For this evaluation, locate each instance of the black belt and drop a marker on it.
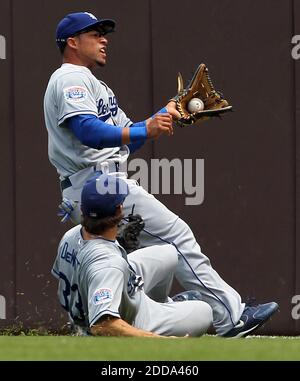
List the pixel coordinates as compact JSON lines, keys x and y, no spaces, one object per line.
{"x":66,"y":183}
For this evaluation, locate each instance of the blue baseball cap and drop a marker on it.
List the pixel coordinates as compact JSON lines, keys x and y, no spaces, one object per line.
{"x":74,"y":23}
{"x":102,"y":194}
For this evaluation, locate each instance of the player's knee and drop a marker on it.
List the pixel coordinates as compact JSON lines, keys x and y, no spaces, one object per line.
{"x":170,"y":256}
{"x":182,"y":226}
{"x":204,"y":314}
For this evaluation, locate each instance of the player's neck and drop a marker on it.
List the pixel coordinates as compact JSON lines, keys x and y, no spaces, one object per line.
{"x":75,"y":62}
{"x":109,"y":234}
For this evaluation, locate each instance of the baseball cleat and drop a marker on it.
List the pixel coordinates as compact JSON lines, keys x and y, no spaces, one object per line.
{"x":252,"y":318}
{"x":187,"y":295}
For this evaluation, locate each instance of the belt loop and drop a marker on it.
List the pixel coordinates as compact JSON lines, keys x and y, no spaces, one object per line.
{"x":117,"y":164}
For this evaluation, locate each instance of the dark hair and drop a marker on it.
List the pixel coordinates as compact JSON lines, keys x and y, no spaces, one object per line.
{"x":62,"y":46}
{"x":100,"y":225}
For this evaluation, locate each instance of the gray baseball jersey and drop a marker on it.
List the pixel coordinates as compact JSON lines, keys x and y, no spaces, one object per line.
{"x":74,"y":90}
{"x":96,"y":279}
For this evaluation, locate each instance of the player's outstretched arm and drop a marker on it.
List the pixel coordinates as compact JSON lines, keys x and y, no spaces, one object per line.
{"x":113,"y":326}
{"x":95,"y":133}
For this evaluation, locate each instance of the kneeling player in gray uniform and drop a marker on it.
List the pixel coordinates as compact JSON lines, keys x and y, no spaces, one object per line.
{"x":104,"y":290}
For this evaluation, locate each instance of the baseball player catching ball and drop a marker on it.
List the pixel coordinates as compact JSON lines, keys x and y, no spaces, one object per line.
{"x":88,"y":132}
{"x":108,"y":287}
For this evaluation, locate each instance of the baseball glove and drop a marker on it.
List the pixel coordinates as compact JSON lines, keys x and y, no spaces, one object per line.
{"x":128,"y":234}
{"x":201,"y":87}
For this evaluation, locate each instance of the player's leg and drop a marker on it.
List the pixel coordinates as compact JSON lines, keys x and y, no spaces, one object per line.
{"x":191,"y":318}
{"x":73,"y":191}
{"x":73,"y":195}
{"x":156,"y":264}
{"x":194,"y":270}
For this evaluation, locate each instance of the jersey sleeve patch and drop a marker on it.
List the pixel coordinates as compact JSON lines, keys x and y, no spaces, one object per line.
{"x":75,"y":94}
{"x":102,"y":295}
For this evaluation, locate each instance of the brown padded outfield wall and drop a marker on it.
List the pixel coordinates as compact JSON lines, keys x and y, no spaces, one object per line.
{"x":248,"y":223}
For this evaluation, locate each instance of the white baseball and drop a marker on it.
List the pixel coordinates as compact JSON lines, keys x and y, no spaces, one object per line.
{"x":195,"y":105}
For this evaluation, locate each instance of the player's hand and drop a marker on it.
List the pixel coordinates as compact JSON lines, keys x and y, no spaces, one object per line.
{"x":171,"y":107}
{"x":159,"y":124}
{"x":65,"y":209}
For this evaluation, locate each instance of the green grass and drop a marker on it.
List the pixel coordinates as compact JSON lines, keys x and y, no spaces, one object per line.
{"x":110,"y":348}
